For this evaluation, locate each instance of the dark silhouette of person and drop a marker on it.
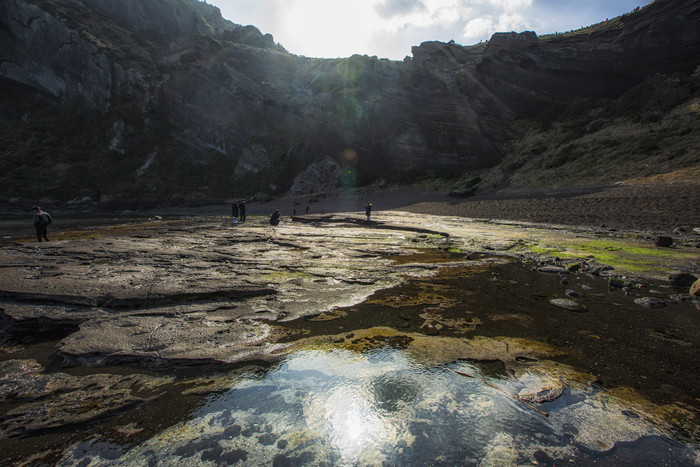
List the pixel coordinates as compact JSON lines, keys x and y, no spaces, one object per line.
{"x":241,"y":208}
{"x":41,"y":223}
{"x":234,"y":211}
{"x":307,"y":209}
{"x":275,"y":218}
{"x":368,"y":209}
{"x":294,"y":209}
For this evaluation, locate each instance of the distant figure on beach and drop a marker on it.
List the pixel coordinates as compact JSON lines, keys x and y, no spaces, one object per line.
{"x":294,"y":209}
{"x":275,"y":218}
{"x":41,"y":223}
{"x":234,"y":212}
{"x":368,"y":210}
{"x":241,"y":208}
{"x":307,"y":209}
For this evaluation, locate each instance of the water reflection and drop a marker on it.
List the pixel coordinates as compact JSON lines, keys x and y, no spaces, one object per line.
{"x":341,"y":407}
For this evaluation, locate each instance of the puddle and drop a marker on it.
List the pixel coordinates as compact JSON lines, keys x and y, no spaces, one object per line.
{"x":382,"y":407}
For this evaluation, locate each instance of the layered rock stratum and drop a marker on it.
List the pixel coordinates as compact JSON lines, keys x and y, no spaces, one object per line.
{"x":167,"y":100}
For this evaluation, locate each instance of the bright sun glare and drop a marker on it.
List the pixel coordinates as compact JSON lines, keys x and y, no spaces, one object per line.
{"x":350,"y":25}
{"x":389,"y":28}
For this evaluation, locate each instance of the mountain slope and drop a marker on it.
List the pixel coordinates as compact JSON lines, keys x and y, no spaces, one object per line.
{"x":166,"y":100}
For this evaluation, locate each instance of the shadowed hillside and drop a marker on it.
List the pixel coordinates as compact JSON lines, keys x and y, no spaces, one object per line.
{"x":135,"y":104}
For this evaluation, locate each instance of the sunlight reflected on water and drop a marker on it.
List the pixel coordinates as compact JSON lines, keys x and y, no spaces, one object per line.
{"x":340,"y":407}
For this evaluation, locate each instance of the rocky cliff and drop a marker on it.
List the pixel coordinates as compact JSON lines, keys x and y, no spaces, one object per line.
{"x":166,"y":100}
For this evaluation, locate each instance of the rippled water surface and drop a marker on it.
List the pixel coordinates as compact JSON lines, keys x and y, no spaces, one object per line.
{"x":381,"y":407}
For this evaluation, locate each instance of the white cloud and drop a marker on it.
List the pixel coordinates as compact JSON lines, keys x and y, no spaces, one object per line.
{"x":479,"y":27}
{"x":388,"y":28}
{"x":392,"y":8}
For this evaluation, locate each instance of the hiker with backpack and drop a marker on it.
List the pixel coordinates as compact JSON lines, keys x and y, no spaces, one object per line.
{"x":41,"y":223}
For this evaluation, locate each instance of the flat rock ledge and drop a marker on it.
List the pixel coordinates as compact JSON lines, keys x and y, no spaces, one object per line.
{"x":200,"y":292}
{"x":206,"y":291}
{"x":45,"y":401}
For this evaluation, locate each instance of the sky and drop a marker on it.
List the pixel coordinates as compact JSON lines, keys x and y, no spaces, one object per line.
{"x":389,"y":28}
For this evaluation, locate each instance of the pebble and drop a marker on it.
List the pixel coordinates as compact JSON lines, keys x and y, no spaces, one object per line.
{"x":553,"y":270}
{"x":569,"y":304}
{"x":650,"y":302}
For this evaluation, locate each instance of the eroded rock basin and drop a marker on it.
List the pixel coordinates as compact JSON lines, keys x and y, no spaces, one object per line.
{"x":332,"y":341}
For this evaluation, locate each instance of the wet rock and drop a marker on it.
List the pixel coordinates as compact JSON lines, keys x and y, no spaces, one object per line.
{"x":540,"y":388}
{"x":158,"y":340}
{"x":553,"y":270}
{"x":618,"y":284}
{"x":430,"y":329}
{"x":695,"y":288}
{"x":663,"y":241}
{"x":196,"y":292}
{"x":41,"y":401}
{"x":573,"y":267}
{"x":573,"y":294}
{"x":569,"y":304}
{"x":501,"y":450}
{"x":650,"y":302}
{"x":601,"y":423}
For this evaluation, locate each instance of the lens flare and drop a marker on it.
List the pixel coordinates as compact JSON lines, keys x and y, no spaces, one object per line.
{"x":350,"y":155}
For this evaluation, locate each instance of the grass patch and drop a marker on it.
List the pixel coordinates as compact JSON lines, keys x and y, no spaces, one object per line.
{"x":621,"y":254}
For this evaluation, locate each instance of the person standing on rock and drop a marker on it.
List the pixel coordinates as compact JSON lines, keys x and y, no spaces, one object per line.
{"x":275,"y":218}
{"x":41,"y":223}
{"x":368,"y":210}
{"x":241,"y":208}
{"x":234,"y":212}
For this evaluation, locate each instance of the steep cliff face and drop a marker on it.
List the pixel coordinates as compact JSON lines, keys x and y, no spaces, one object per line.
{"x":166,"y":98}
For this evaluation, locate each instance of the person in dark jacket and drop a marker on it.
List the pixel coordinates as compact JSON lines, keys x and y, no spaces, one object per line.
{"x":368,"y":210}
{"x":275,"y":218}
{"x":241,"y":208}
{"x":41,"y":223}
{"x":234,"y":212}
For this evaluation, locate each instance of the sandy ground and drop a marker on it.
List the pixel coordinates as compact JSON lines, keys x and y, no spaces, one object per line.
{"x":657,"y":205}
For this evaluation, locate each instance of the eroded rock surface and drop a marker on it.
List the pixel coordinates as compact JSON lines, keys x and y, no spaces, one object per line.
{"x":195,"y":292}
{"x":42,"y":401}
{"x":411,"y":296}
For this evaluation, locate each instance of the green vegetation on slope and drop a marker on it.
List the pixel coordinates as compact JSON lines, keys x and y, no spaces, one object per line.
{"x":653,"y":128}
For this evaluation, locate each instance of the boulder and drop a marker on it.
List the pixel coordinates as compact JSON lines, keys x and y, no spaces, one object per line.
{"x":663,"y":241}
{"x":695,"y":288}
{"x":682,"y":279}
{"x":319,"y":176}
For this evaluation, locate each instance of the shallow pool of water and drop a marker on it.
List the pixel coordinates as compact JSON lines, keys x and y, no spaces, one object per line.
{"x":380,"y":407}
